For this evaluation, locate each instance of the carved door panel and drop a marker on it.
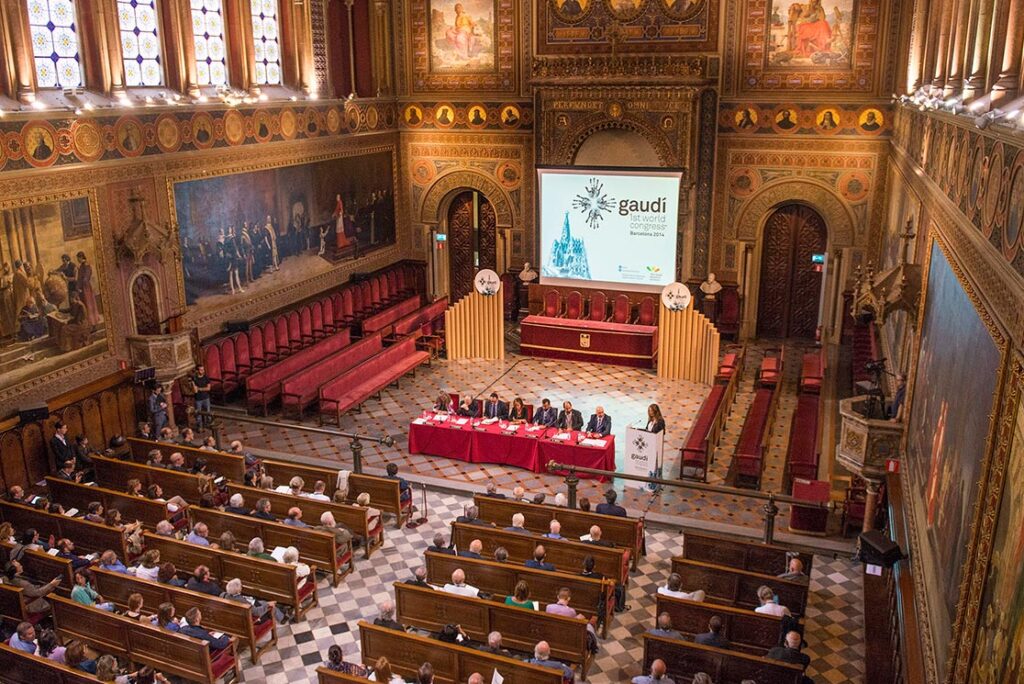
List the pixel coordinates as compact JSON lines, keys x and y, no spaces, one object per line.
{"x":487,"y":223}
{"x":790,"y":286}
{"x":145,"y":306}
{"x":460,"y":246}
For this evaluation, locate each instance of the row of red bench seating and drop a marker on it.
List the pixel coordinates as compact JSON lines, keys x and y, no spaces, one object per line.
{"x":802,"y":454}
{"x":231,"y":360}
{"x":621,"y":310}
{"x":749,"y":456}
{"x":698,"y":452}
{"x":812,"y":372}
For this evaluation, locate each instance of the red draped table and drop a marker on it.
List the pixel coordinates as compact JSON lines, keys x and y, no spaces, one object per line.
{"x":475,"y":442}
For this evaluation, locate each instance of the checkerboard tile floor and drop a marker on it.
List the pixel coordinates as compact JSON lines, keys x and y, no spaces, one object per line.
{"x":835,"y":626}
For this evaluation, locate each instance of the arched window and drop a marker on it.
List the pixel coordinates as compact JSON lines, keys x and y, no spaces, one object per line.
{"x":265,"y":34}
{"x":140,"y":43}
{"x":208,"y":35}
{"x":54,"y":28}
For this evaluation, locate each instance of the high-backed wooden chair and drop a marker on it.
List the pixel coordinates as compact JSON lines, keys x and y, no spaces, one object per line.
{"x":574,"y":305}
{"x":552,"y":303}
{"x":598,"y":306}
{"x":728,"y":322}
{"x":257,"y":355}
{"x":620,"y":309}
{"x":646,"y":311}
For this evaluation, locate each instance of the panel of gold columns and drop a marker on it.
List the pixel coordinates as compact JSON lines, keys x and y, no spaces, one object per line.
{"x":474,"y":328}
{"x":687,"y":346}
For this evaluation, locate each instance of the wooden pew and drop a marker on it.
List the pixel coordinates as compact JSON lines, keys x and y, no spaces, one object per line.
{"x":265,"y":579}
{"x":628,"y":532}
{"x":115,"y":474}
{"x":169,"y":652}
{"x":384,"y":492}
{"x":733,"y":587}
{"x":685,"y":658}
{"x":89,"y":537}
{"x":746,"y":630}
{"x":231,"y":466}
{"x":325,"y":676}
{"x":315,"y":547}
{"x":452,"y":664}
{"x":41,"y":567}
{"x":78,"y":495}
{"x":767,"y":559}
{"x":566,"y":555}
{"x":219,"y":614}
{"x":589,"y":596}
{"x":12,"y":604}
{"x":21,"y":668}
{"x":520,"y":628}
{"x":352,"y":517}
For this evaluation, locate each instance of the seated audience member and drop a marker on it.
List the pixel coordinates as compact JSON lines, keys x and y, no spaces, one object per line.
{"x":29,"y":541}
{"x":702,"y":678}
{"x":168,"y":574}
{"x":443,"y":403}
{"x":517,"y":413}
{"x":769,"y":605}
{"x":520,"y":597}
{"x":458,"y":585}
{"x":132,"y":531}
{"x":187,"y":438}
{"x":492,"y":490}
{"x":583,"y":504}
{"x":68,"y":473}
{"x":495,"y":408}
{"x":15,"y":494}
{"x":658,"y":674}
{"x":475,"y":547}
{"x":538,"y":498}
{"x":236,"y":505}
{"x":546,"y":415}
{"x":295,"y":486}
{"x":107,"y":670}
{"x":66,"y":550}
{"x":294,"y":517}
{"x":609,"y":507}
{"x":538,"y":561}
{"x":84,"y":594}
{"x":336,"y":663}
{"x":342,"y":535}
{"x":291,"y":557}
{"x":164,"y":618}
{"x":419,"y":578}
{"x":164,"y":528}
{"x":83,"y":454}
{"x":75,"y":658}
{"x":472,"y":517}
{"x":195,"y":629}
{"x":262,"y":510}
{"x":238,"y":449}
{"x":663,"y":628}
{"x":7,"y":532}
{"x":561,"y":500}
{"x":554,"y":530}
{"x":134,"y":610}
{"x":258,"y":607}
{"x":404,"y":489}
{"x":209,"y":444}
{"x":110,"y":562}
{"x":383,"y":673}
{"x":500,"y":554}
{"x":257,"y":550}
{"x":795,"y":572}
{"x":467,"y":408}
{"x":790,"y":653}
{"x":166,"y":435}
{"x":494,"y":646}
{"x":475,"y":678}
{"x":386,"y":616}
{"x":94,"y":512}
{"x":439,"y":546}
{"x":200,"y":467}
{"x":713,"y":637}
{"x":199,"y":535}
{"x":372,"y":514}
{"x":674,"y":588}
{"x":588,"y":568}
{"x":146,"y":431}
{"x":518,"y":522}
{"x":226,"y":541}
{"x":201,"y":581}
{"x":147,"y":675}
{"x":600,"y":423}
{"x":155,"y":459}
{"x":542,"y":656}
{"x":55,"y":508}
{"x":176,"y":461}
{"x":208,"y":500}
{"x":319,"y":492}
{"x":24,"y":638}
{"x":49,"y":646}
{"x":561,"y":605}
{"x":425,"y":675}
{"x":133,"y":487}
{"x":155,"y":492}
{"x":595,"y":537}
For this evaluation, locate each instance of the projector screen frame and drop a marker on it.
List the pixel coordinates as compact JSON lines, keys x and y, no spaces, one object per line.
{"x":623,"y":170}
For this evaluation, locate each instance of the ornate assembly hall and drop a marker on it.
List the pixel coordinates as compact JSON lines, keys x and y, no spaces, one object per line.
{"x":512,"y":341}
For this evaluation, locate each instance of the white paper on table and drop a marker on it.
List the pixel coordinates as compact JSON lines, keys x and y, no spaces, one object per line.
{"x":512,"y":428}
{"x":278,"y":553}
{"x":419,"y":421}
{"x":561,"y":436}
{"x":462,"y":421}
{"x":496,"y":678}
{"x":594,"y":442}
{"x":489,"y":421}
{"x":71,"y":512}
{"x":53,"y":552}
{"x":172,"y":508}
{"x":441,"y":417}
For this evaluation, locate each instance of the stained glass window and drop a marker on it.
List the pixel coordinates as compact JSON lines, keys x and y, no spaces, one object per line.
{"x":208,"y":34}
{"x":55,"y":43}
{"x":266,"y":41}
{"x":140,"y":44}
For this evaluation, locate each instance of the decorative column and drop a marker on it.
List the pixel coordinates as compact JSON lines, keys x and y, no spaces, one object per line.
{"x":918,"y":42}
{"x":101,"y":46}
{"x":381,"y":44}
{"x":240,"y":45}
{"x":350,"y":23}
{"x":870,"y":504}
{"x":16,"y":50}
{"x":180,"y":54}
{"x":1008,"y":81}
{"x":955,"y":69}
{"x":974,"y":86}
{"x":942,"y":47}
{"x":302,"y":39}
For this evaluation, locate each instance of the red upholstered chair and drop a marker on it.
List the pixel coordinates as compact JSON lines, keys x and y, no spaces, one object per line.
{"x":598,"y":306}
{"x":552,"y":303}
{"x":529,"y":412}
{"x":316,"y":311}
{"x":243,"y":360}
{"x":305,"y":326}
{"x":284,"y":347}
{"x":256,"y":349}
{"x":621,"y":309}
{"x":393,"y":289}
{"x":327,"y":314}
{"x":403,"y":280}
{"x":211,"y":360}
{"x":294,"y":331}
{"x":455,"y":398}
{"x":370,"y":300}
{"x":343,"y":311}
{"x":228,"y":369}
{"x":357,"y":301}
{"x":270,"y":350}
{"x":646,"y":313}
{"x":854,"y":506}
{"x":729,"y":312}
{"x":574,"y":305}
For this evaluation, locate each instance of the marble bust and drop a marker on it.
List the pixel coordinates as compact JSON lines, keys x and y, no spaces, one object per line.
{"x":527,"y":275}
{"x":711,"y":286}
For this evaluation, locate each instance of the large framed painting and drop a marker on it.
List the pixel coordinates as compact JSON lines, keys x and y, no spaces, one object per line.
{"x":51,"y":306}
{"x":811,"y":33}
{"x":948,"y":436}
{"x":249,"y":234}
{"x":461,"y":36}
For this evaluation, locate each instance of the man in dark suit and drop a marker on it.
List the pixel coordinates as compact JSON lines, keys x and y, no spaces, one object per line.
{"x":195,"y":629}
{"x":600,"y":423}
{"x":83,"y":453}
{"x":538,"y":562}
{"x":472,"y":517}
{"x":419,"y":578}
{"x":492,"y":490}
{"x":546,"y":415}
{"x":67,"y":471}
{"x":609,"y":507}
{"x":201,"y":581}
{"x":439,"y":546}
{"x":387,"y":617}
{"x":62,"y":451}
{"x":495,"y":408}
{"x":570,"y":418}
{"x":467,"y":408}
{"x":790,"y":653}
{"x":475,"y":547}
{"x":494,"y":646}
{"x":262,"y":510}
{"x":714,"y":636}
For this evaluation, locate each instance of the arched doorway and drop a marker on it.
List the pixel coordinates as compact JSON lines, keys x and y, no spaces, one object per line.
{"x":790,"y":287}
{"x":472,"y":240}
{"x":145,"y":308}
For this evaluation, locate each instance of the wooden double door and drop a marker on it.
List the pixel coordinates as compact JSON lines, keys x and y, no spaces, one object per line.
{"x":472,"y":241}
{"x":790,"y":287}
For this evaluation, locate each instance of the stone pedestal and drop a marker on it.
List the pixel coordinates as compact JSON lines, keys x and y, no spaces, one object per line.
{"x":865,"y":444}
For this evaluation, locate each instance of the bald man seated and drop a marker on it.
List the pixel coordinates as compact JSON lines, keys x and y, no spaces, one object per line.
{"x":600,"y":423}
{"x":658,"y":674}
{"x":458,"y":585}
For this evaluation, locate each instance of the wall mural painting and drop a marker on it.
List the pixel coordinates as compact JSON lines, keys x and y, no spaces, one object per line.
{"x":248,"y":234}
{"x":947,"y":436}
{"x":810,"y":33}
{"x":461,"y":36}
{"x":999,"y":648}
{"x":51,"y":311}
